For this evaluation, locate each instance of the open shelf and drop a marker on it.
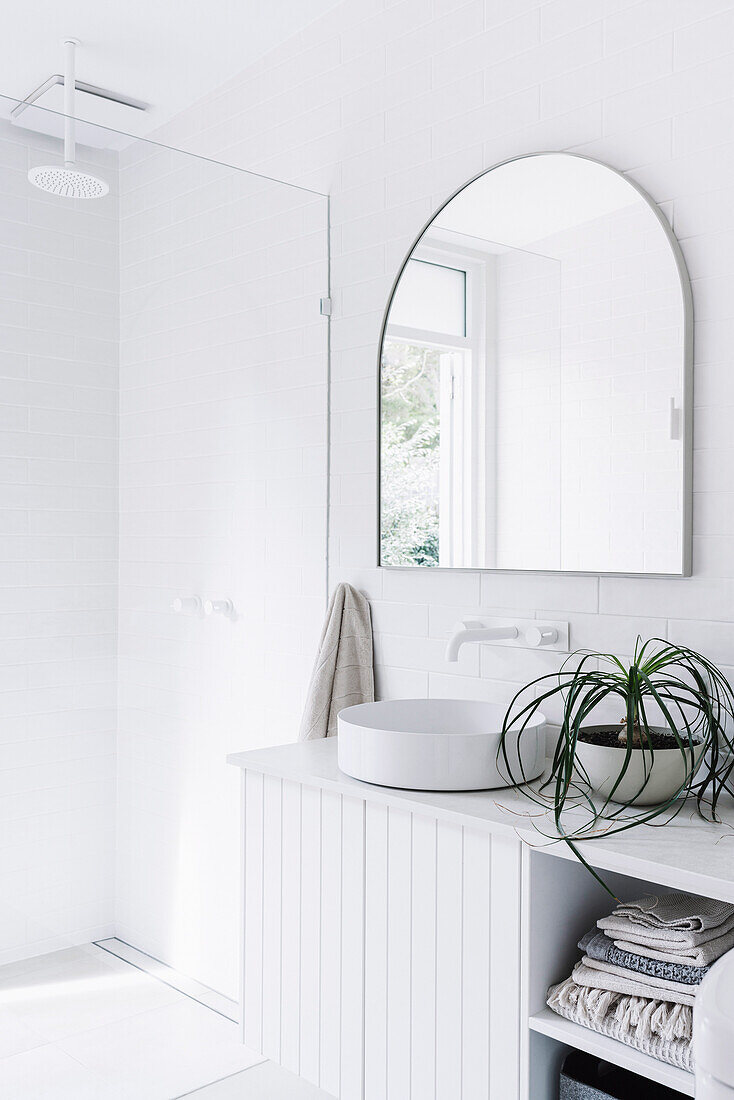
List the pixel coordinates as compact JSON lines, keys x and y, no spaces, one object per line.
{"x":564,"y":902}
{"x":565,"y":1031}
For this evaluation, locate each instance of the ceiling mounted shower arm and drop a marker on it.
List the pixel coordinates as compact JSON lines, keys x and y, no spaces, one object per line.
{"x":70,"y":45}
{"x":68,"y":182}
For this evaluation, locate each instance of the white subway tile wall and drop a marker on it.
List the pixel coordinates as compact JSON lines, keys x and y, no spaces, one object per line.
{"x":58,"y":555}
{"x":430,"y":93}
{"x":223,"y":374}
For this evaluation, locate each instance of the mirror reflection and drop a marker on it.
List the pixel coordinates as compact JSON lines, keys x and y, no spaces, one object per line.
{"x":534,"y":380}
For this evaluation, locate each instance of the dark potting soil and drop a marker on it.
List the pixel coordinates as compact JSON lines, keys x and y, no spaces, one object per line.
{"x":610,"y":739}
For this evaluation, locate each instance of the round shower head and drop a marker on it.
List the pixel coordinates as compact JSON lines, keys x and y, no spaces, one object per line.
{"x":68,"y":182}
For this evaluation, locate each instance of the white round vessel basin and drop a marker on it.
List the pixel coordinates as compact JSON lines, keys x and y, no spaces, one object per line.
{"x":435,"y":745}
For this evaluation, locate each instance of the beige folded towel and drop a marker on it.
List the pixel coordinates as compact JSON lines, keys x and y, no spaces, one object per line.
{"x":682,"y":912}
{"x":343,"y":675}
{"x":646,"y":985}
{"x":673,"y":940}
{"x":596,"y":979}
{"x":665,"y":937}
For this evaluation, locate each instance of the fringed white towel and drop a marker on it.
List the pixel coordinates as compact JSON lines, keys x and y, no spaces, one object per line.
{"x":343,"y":674}
{"x":656,"y":1028}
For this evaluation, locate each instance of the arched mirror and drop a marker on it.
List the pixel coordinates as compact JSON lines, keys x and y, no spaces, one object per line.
{"x":535,"y":384}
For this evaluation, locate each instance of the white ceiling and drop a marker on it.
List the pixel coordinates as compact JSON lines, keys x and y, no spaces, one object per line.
{"x":529,"y":199}
{"x":168,"y":53}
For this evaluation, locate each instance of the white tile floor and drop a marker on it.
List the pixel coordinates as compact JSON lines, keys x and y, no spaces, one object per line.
{"x":263,"y":1082}
{"x":82,"y":1024}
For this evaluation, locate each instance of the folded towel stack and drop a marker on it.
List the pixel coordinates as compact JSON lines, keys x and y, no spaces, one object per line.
{"x":640,"y":969}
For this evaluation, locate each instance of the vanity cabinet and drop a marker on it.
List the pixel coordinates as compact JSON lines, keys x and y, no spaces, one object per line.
{"x":376,"y":938}
{"x":397,"y":945}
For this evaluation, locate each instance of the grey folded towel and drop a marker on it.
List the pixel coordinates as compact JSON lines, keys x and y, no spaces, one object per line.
{"x":702,"y":955}
{"x":343,"y":674}
{"x":616,"y":983}
{"x":670,"y":922}
{"x":598,"y":946}
{"x":679,"y":912}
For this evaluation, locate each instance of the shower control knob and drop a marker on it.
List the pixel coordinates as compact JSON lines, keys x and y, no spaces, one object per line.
{"x":535,"y":637}
{"x":219,"y":607}
{"x":190,"y":605}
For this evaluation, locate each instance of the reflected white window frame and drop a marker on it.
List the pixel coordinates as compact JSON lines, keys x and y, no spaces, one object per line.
{"x":467,"y":408}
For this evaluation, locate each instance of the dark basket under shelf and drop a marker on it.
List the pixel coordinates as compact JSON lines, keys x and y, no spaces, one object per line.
{"x":584,"y":1077}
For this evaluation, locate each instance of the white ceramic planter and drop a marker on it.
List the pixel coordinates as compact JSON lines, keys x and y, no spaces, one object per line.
{"x":665,"y":773}
{"x":435,"y":745}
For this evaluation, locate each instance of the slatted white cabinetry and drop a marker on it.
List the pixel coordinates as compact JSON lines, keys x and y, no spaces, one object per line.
{"x":398,"y":945}
{"x":381,"y":946}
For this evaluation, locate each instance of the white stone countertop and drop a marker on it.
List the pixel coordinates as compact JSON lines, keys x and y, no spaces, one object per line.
{"x":686,"y":853}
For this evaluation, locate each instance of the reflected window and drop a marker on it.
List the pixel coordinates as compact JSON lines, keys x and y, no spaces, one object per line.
{"x":432,"y":297}
{"x":428,"y":384}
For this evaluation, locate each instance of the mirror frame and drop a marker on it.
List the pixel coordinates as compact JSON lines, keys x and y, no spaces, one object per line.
{"x":687,"y":383}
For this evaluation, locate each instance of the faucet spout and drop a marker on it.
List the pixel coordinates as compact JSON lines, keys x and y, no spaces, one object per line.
{"x":472,"y":631}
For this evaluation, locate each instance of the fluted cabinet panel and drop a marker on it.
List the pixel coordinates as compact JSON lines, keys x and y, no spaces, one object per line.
{"x":381,"y":946}
{"x":254,"y":899}
{"x":273,"y":916}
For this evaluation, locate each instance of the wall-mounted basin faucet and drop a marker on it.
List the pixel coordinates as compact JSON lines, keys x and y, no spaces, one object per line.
{"x":472,"y":631}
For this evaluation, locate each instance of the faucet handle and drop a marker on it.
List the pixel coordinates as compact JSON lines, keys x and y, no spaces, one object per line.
{"x":190,"y":605}
{"x":219,"y":607}
{"x":535,"y":637}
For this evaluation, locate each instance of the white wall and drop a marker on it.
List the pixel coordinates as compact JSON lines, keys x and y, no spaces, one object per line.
{"x":393,"y":111}
{"x":222,"y":493}
{"x":528,"y":410}
{"x":621,"y":363}
{"x":588,"y":360}
{"x":58,"y":554}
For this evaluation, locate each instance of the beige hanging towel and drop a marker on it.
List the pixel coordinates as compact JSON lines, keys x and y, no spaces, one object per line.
{"x":343,"y":675}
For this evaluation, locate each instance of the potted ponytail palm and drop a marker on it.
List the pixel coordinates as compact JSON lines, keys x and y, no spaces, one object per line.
{"x":671,"y":740}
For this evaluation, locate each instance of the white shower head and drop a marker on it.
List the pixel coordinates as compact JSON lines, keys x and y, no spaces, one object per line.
{"x":68,"y":181}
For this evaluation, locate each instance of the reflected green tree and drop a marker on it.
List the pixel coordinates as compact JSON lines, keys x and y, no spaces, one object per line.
{"x":410,"y":454}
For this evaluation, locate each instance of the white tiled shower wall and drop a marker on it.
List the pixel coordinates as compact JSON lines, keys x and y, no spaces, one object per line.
{"x":390,"y":113}
{"x":58,"y":556}
{"x":192,"y":303}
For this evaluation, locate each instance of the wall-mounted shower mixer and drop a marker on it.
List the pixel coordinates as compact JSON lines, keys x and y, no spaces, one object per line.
{"x":194,"y":605}
{"x":189,"y":605}
{"x":219,"y":607}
